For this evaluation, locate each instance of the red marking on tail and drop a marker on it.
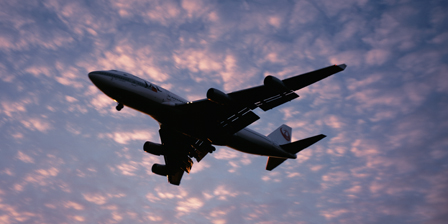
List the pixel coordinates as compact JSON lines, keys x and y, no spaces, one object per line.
{"x":285,"y":134}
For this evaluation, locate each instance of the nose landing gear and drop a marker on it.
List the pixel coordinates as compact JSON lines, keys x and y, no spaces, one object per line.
{"x":119,"y":106}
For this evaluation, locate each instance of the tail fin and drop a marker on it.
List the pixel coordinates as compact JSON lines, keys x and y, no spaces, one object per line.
{"x":292,"y":148}
{"x":281,"y":135}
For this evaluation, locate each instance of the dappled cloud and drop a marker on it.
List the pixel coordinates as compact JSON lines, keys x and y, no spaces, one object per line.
{"x":125,"y":137}
{"x":68,"y":156}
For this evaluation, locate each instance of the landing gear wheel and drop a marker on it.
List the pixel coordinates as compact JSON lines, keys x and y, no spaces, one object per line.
{"x":119,"y":106}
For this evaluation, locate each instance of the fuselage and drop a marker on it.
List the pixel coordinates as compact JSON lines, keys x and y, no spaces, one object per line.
{"x":160,"y":104}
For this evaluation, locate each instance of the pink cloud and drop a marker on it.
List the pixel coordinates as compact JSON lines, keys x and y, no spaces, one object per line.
{"x":73,"y":205}
{"x":12,"y":214}
{"x":354,"y":57}
{"x":128,"y":169}
{"x":334,"y":213}
{"x":303,"y":13}
{"x":125,"y":137}
{"x":24,"y":157}
{"x":37,"y":124}
{"x":222,"y":192}
{"x":377,"y":56}
{"x":189,"y":205}
{"x":12,"y":108}
{"x":334,"y":121}
{"x":95,"y":198}
{"x":226,"y":154}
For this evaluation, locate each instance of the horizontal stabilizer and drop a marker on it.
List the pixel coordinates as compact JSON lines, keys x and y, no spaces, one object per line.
{"x":293,"y":148}
{"x":298,"y":146}
{"x":273,"y":162}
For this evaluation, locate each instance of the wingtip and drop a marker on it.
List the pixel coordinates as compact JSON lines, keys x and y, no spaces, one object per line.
{"x":342,"y":66}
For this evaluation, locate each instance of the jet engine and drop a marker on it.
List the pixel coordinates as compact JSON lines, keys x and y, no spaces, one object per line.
{"x":161,"y":170}
{"x":153,"y":148}
{"x":276,"y":84}
{"x":218,"y":97}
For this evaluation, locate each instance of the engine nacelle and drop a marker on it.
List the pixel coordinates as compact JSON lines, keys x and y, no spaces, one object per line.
{"x":153,"y":148}
{"x":276,"y":84}
{"x":161,"y":170}
{"x":218,"y":97}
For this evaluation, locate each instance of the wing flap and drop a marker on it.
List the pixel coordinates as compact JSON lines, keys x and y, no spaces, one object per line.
{"x":276,"y":100}
{"x":178,"y":160}
{"x":176,"y":177}
{"x":202,"y":148}
{"x":238,"y":121}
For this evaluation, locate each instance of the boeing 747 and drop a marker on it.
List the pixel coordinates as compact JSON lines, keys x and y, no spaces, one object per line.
{"x":190,"y":129}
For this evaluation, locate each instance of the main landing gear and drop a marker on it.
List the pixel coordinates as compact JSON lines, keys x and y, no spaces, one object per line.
{"x":119,"y":106}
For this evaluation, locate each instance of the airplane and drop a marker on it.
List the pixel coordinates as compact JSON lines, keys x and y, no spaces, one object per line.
{"x":190,"y":129}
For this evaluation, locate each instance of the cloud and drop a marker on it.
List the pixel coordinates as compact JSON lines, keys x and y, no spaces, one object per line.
{"x":128,"y":169}
{"x":101,"y":101}
{"x":197,"y":61}
{"x":334,"y":213}
{"x":78,"y":218}
{"x":189,"y":205}
{"x":12,"y":214}
{"x":334,"y":122}
{"x":128,"y":58}
{"x":225,"y":154}
{"x":335,"y":177}
{"x":377,"y":57}
{"x":73,"y":205}
{"x":200,"y":166}
{"x":384,"y":116}
{"x":354,"y":57}
{"x":24,"y":158}
{"x":95,"y":198}
{"x":194,"y":8}
{"x":10,"y":108}
{"x":304,"y":12}
{"x":125,"y":137}
{"x":36,"y":124}
{"x":80,"y":19}
{"x":39,"y":177}
{"x":223,"y":192}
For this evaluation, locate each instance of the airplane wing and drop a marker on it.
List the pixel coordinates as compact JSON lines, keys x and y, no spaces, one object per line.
{"x":179,"y":151}
{"x":267,"y":97}
{"x":233,"y":111}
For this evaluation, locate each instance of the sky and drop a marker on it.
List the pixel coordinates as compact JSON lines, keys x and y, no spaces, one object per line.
{"x":67,"y":156}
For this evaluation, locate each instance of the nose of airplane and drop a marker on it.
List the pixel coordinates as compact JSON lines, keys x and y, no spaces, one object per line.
{"x":93,"y":76}
{"x":97,"y":77}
